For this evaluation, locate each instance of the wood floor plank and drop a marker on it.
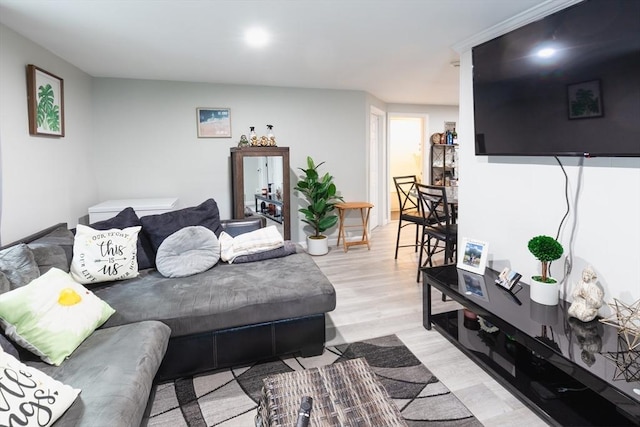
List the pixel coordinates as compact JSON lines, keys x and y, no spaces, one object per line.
{"x":377,"y":295}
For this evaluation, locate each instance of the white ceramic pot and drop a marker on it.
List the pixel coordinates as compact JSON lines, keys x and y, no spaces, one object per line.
{"x":544,"y":293}
{"x":317,"y":245}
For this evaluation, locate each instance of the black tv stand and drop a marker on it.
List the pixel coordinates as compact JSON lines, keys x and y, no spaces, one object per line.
{"x":547,"y":360}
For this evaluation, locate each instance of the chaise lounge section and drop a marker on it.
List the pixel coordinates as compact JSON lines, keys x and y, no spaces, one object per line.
{"x":165,"y":328}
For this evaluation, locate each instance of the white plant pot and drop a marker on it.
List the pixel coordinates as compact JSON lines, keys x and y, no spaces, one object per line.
{"x":317,"y":245}
{"x":544,"y":293}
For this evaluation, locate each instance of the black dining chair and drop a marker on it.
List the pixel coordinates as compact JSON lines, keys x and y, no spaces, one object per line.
{"x":410,"y":213}
{"x":439,"y":225}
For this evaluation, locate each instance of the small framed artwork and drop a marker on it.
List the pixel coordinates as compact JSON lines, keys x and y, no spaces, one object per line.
{"x":473,"y":285}
{"x":45,"y":100}
{"x":449,"y":126}
{"x":474,"y":256}
{"x":508,"y":278}
{"x":585,"y":100}
{"x":214,"y":122}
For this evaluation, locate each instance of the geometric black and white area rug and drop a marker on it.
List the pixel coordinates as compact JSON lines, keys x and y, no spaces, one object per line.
{"x":229,"y":398}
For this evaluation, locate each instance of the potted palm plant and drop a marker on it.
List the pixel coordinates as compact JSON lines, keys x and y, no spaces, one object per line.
{"x":320,"y":193}
{"x":544,"y":289}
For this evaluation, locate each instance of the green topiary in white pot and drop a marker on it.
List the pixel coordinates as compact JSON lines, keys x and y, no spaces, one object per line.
{"x":544,"y":289}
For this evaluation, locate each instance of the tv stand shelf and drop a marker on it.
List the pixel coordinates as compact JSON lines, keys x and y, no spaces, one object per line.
{"x":534,"y":351}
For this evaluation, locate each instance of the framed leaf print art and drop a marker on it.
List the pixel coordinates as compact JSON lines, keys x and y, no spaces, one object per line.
{"x":45,"y":101}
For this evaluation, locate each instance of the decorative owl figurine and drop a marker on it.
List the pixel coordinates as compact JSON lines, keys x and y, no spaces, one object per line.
{"x":587,"y":297}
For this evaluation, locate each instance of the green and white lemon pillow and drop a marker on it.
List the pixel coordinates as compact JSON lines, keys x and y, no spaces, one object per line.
{"x":30,"y":396}
{"x":52,"y":315}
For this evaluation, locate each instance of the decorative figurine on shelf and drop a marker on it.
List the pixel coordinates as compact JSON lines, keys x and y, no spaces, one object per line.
{"x":270,"y":136}
{"x":587,"y":297}
{"x":244,"y":142}
{"x":253,"y":137}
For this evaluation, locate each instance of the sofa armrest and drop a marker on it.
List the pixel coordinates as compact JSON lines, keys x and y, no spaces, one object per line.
{"x":235,"y":227}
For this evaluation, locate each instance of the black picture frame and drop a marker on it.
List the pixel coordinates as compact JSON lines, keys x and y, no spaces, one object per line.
{"x":584,"y":100}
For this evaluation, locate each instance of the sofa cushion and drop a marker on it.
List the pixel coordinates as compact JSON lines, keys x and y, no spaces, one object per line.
{"x":5,"y":285}
{"x":52,"y":315}
{"x":104,"y":255}
{"x":128,"y":218}
{"x":115,"y":368}
{"x":226,"y":296}
{"x":7,"y":347}
{"x":48,"y":256}
{"x":188,"y":251}
{"x":18,"y":265}
{"x":62,"y":237}
{"x":159,"y":227}
{"x":30,"y":395}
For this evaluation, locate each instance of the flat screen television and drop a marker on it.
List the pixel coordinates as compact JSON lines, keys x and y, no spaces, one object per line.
{"x":565,"y":85}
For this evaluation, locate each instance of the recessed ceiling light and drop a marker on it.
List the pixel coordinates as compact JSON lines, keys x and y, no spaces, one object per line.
{"x":256,"y":37}
{"x":546,"y":52}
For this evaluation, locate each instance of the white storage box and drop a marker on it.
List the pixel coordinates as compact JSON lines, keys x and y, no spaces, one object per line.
{"x":143,"y":207}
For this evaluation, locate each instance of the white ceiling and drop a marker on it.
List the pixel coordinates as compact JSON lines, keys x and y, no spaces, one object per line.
{"x":398,"y":50}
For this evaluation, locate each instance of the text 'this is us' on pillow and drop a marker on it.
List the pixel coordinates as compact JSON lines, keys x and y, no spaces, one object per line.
{"x":104,"y":255}
{"x":52,"y":315}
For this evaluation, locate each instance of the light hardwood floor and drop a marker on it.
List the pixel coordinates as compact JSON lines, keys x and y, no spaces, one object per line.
{"x":377,"y":295}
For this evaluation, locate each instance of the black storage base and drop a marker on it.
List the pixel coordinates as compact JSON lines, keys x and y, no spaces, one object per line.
{"x":553,"y":394}
{"x":193,"y":354}
{"x":556,"y":365}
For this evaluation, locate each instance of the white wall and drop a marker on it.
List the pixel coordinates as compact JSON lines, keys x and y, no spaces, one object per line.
{"x":506,"y":201}
{"x":44,"y":180}
{"x":438,"y":114}
{"x":145,"y":142}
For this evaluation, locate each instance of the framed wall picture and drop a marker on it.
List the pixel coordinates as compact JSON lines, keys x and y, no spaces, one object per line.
{"x":214,"y":122}
{"x":585,"y":100}
{"x":45,"y":100}
{"x":474,"y":255}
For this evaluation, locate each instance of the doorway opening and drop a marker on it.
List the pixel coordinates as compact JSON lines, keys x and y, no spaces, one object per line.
{"x":406,"y":151}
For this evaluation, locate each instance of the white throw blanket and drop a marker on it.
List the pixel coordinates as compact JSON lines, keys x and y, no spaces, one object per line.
{"x":260,"y":240}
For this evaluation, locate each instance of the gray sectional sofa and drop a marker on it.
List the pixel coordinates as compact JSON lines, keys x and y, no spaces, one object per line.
{"x":165,"y":328}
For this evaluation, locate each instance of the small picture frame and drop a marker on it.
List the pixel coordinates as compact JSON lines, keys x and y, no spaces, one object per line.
{"x":45,"y":101}
{"x":213,"y":122}
{"x":474,"y":255}
{"x":584,"y":100}
{"x":508,"y":278}
{"x":473,"y":285}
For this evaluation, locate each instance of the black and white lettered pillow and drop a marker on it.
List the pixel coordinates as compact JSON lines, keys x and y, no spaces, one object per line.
{"x":29,"y":396}
{"x":104,"y":255}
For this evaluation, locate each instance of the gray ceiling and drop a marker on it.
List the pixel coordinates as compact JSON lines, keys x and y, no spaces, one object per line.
{"x":398,"y":50}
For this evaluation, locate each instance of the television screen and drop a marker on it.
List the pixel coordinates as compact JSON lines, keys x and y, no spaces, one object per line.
{"x":566,"y":85}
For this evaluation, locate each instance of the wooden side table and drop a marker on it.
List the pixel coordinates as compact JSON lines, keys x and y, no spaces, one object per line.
{"x":365,"y":209}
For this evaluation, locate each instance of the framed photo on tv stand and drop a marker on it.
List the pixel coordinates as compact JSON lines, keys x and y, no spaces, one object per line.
{"x":508,"y":278}
{"x":474,"y":255}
